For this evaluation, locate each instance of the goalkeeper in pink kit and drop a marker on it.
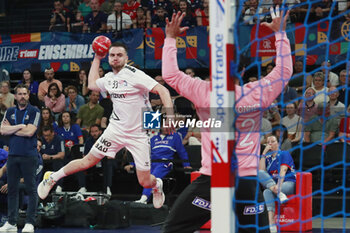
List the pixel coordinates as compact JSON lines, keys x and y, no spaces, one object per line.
{"x":185,"y":215}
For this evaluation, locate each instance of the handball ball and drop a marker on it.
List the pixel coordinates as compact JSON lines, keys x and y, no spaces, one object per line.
{"x":101,"y":45}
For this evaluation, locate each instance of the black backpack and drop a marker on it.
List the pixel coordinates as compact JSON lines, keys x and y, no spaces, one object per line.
{"x":114,"y":214}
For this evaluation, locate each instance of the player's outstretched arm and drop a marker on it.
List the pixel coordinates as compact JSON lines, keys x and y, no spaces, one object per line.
{"x":277,"y":20}
{"x":93,"y":74}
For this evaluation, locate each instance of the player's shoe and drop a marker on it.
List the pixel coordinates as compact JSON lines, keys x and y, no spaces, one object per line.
{"x":273,"y":229}
{"x":7,"y":227}
{"x":28,"y":228}
{"x":283,"y":198}
{"x":158,"y":195}
{"x":46,"y":185}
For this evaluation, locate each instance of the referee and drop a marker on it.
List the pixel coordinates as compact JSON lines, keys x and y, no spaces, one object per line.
{"x":21,"y":122}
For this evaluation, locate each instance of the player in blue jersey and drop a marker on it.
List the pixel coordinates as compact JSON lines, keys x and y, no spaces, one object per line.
{"x":277,"y":175}
{"x":163,"y":148}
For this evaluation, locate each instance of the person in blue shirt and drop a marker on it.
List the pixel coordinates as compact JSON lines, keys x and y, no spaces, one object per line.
{"x":163,"y":148}
{"x":52,"y":152}
{"x":21,"y":123}
{"x":70,"y":132}
{"x":277,"y":175}
{"x":73,"y":101}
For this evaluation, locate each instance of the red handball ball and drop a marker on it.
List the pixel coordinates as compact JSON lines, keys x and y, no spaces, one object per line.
{"x":101,"y":45}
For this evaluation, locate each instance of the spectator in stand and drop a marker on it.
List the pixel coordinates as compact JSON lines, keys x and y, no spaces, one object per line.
{"x":175,"y":6}
{"x":44,"y":85}
{"x":269,"y":67}
{"x":344,"y":128}
{"x":344,"y":82}
{"x":70,"y":132}
{"x":313,"y":131}
{"x":60,"y":18}
{"x":154,"y":5}
{"x":250,"y":15}
{"x":298,"y":14}
{"x":90,"y":113}
{"x":190,"y":72}
{"x":85,"y":8}
{"x":190,"y":18}
{"x":273,"y":114}
{"x":163,"y":148}
{"x":141,"y":20}
{"x":77,"y":22}
{"x":47,"y":119}
{"x":52,"y":152}
{"x":203,"y":14}
{"x":82,"y":83}
{"x":321,"y":90}
{"x":322,"y":9}
{"x":73,"y":101}
{"x":27,"y":79}
{"x":107,"y":6}
{"x":293,"y":122}
{"x":337,"y":108}
{"x":107,"y":163}
{"x":3,"y":107}
{"x":118,"y":20}
{"x":266,"y":129}
{"x":281,"y":132}
{"x":298,"y":77}
{"x":8,"y":98}
{"x":289,"y":94}
{"x":107,"y":105}
{"x":55,"y":100}
{"x":158,"y":20}
{"x":332,"y":78}
{"x":130,"y":8}
{"x":96,"y":20}
{"x":307,"y":107}
{"x":4,"y":75}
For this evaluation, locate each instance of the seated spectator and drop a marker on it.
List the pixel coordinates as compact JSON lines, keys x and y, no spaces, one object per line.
{"x":321,"y":10}
{"x":321,"y":90}
{"x":293,"y":122}
{"x":190,"y":71}
{"x":44,"y":85}
{"x":203,"y":14}
{"x":82,"y":83}
{"x":307,"y":107}
{"x":298,"y":14}
{"x":27,"y":79}
{"x":3,"y":107}
{"x":73,"y":101}
{"x":297,"y":80}
{"x":266,"y":129}
{"x":281,"y":132}
{"x":193,"y":136}
{"x":190,"y":19}
{"x":313,"y":131}
{"x":332,"y":78}
{"x":107,"y":6}
{"x":8,"y":98}
{"x":77,"y":22}
{"x":84,"y":8}
{"x":118,"y":20}
{"x":60,"y":18}
{"x":47,"y":119}
{"x":337,"y":108}
{"x":52,"y":152}
{"x":344,"y":81}
{"x":96,"y":20}
{"x":70,"y":132}
{"x":273,"y":115}
{"x":130,"y":7}
{"x":158,"y":20}
{"x":90,"y":113}
{"x":269,"y":67}
{"x":163,"y":148}
{"x":289,"y":94}
{"x":277,"y":176}
{"x":107,"y":162}
{"x":54,"y":99}
{"x":344,"y":128}
{"x":4,"y":75}
{"x":141,"y":20}
{"x":253,"y":12}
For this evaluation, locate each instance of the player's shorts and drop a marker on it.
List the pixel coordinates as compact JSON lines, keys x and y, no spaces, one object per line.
{"x":111,"y":141}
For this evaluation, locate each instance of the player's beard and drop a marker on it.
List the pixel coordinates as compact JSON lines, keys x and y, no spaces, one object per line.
{"x":117,"y":67}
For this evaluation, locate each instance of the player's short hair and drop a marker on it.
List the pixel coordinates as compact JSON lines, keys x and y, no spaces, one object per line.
{"x":21,"y":86}
{"x":119,"y":44}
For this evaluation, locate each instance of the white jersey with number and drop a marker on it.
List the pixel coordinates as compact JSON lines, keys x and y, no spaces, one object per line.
{"x":129,"y":93}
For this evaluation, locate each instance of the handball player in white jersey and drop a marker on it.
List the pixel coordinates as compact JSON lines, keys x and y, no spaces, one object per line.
{"x":128,"y":88}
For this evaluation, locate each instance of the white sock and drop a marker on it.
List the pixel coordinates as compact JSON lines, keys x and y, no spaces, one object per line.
{"x":143,"y":198}
{"x":58,"y":175}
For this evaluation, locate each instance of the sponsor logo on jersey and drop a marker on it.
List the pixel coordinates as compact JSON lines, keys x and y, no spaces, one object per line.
{"x":118,"y":96}
{"x":201,"y":203}
{"x":151,"y":120}
{"x":103,"y":144}
{"x":254,"y":209}
{"x":132,"y":69}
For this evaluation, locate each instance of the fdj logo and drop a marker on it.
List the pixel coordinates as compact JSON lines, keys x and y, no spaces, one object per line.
{"x":151,"y":120}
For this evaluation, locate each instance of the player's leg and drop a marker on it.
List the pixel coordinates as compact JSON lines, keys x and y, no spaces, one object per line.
{"x":106,"y":145}
{"x":250,"y":206}
{"x":191,"y":209}
{"x":140,"y":149}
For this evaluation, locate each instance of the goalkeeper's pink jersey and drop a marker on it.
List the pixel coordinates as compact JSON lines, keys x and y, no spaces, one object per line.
{"x":249,"y":99}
